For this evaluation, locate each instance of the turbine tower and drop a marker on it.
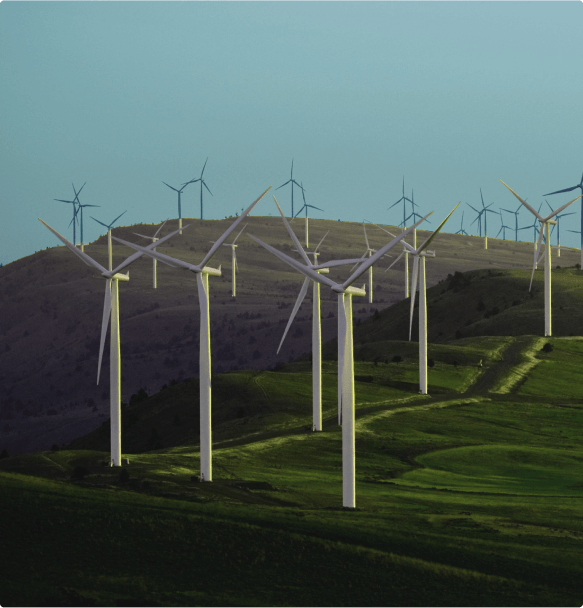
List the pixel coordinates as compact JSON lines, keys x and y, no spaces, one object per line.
{"x":292,"y":181}
{"x":368,"y":251}
{"x":579,"y":185}
{"x":544,"y":223}
{"x":154,"y":261}
{"x":202,"y":275}
{"x":345,"y":292}
{"x":234,"y":260}
{"x":109,"y":227}
{"x":306,"y":208}
{"x":202,"y":183}
{"x":110,"y":309}
{"x":179,"y":202}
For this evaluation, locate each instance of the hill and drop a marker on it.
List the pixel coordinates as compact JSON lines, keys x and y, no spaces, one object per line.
{"x":51,"y":306}
{"x":469,"y":496}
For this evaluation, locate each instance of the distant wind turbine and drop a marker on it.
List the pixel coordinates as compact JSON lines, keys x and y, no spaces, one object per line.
{"x":404,"y":199}
{"x":74,"y":202}
{"x":179,"y":202}
{"x":292,"y":181}
{"x":558,"y":217}
{"x":154,"y":261}
{"x":234,"y":261}
{"x":515,"y":213}
{"x":544,"y":222}
{"x":110,"y":309}
{"x":345,"y":292}
{"x":502,"y":227}
{"x":580,"y":186}
{"x":306,"y":208}
{"x":461,"y":230}
{"x":202,"y":183}
{"x":202,"y":275}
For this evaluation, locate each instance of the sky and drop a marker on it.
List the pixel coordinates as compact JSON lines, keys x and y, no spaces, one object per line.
{"x":449,"y":96}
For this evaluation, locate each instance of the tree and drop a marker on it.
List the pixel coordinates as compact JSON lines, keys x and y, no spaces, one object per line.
{"x":79,"y":472}
{"x":124,"y":476}
{"x":547,"y":348}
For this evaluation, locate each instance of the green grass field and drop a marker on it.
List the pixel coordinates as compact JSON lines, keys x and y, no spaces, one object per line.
{"x":464,"y":497}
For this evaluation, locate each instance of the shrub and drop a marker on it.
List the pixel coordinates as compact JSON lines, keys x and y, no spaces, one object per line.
{"x":124,"y":476}
{"x":430,"y":363}
{"x":397,"y":359}
{"x":54,"y":448}
{"x":547,"y":348}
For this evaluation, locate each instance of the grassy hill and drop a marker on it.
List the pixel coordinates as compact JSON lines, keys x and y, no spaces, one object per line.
{"x":466,"y":497}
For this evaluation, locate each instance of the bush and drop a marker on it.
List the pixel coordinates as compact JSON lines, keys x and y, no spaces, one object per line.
{"x":4,"y":454}
{"x":79,"y":472}
{"x":397,"y":359}
{"x":54,"y":448}
{"x":547,"y":348}
{"x":124,"y":476}
{"x":430,"y":363}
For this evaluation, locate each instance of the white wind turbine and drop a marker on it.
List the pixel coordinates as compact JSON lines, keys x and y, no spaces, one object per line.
{"x":154,"y":261}
{"x":370,"y":252}
{"x":419,"y":254}
{"x":316,"y":319}
{"x":202,"y":274}
{"x":544,"y":231}
{"x":234,"y":260}
{"x":111,"y":309}
{"x":345,"y":292}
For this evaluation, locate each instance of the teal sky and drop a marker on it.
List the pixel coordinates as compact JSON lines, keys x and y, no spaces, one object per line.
{"x":453,"y":96}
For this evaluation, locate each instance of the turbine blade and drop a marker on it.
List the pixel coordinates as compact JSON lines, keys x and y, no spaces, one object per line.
{"x":306,"y":271}
{"x":235,"y":239}
{"x":117,"y":218}
{"x":104,"y":323}
{"x":430,"y":238}
{"x":379,"y":254}
{"x":535,"y":213}
{"x":171,"y":187}
{"x":166,"y":259}
{"x":413,"y":291}
{"x":162,"y":226}
{"x":294,"y":238}
{"x":365,"y":237}
{"x":398,"y":258}
{"x":203,"y":167}
{"x":143,"y":235}
{"x":338,"y":263}
{"x":318,"y":246}
{"x":282,"y":185}
{"x":407,"y":246}
{"x":538,"y":246}
{"x":297,"y":305}
{"x":561,"y":208}
{"x":80,"y":254}
{"x":231,"y":228}
{"x":559,"y":191}
{"x":204,"y":184}
{"x":99,"y":222}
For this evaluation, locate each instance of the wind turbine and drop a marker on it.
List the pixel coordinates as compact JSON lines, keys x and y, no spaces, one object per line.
{"x":535,"y":228}
{"x":558,"y":247}
{"x":420,"y":253}
{"x":234,"y":260}
{"x":368,"y":251}
{"x":292,"y":181}
{"x":404,"y":199}
{"x":579,"y":185}
{"x":154,"y":261}
{"x":74,"y":202}
{"x":109,"y":227}
{"x":484,"y":210}
{"x":306,"y":208}
{"x":516,"y":228}
{"x":461,"y":230}
{"x":502,"y":227}
{"x":316,"y":319}
{"x":110,"y":309}
{"x":179,"y":202}
{"x":202,"y":183}
{"x":544,"y":222}
{"x":202,"y":275}
{"x":345,"y":292}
